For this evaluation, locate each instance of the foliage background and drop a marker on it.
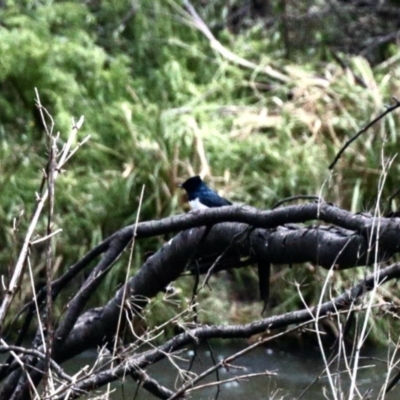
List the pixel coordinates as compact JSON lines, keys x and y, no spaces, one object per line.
{"x":160,"y":105}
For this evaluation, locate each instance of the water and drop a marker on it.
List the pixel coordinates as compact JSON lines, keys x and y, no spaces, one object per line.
{"x":294,"y":370}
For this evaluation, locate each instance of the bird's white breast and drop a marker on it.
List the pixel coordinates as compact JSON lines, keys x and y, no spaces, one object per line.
{"x":196,"y":205}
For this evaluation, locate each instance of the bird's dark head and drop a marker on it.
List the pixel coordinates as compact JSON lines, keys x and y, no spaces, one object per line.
{"x":192,"y":184}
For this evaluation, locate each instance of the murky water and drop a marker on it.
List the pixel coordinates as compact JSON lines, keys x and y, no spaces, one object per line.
{"x":294,"y":371}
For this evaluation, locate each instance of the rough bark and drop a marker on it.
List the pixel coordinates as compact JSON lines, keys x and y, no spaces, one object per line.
{"x":208,"y":241}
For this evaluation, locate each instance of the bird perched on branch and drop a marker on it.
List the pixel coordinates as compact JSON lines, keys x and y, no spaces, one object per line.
{"x":200,"y":196}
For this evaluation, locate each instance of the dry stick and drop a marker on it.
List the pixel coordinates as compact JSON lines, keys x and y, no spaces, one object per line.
{"x":34,"y":308}
{"x":150,"y":384}
{"x":126,"y":281}
{"x":391,"y":365}
{"x":374,"y":121}
{"x":157,"y":389}
{"x":139,"y":375}
{"x":225,"y":361}
{"x":316,"y":379}
{"x":49,"y":177}
{"x":75,"y":149}
{"x":327,"y":362}
{"x":83,"y":372}
{"x":317,"y":331}
{"x":224,"y":52}
{"x":23,"y":367}
{"x":319,"y":199}
{"x":9,"y":293}
{"x":332,"y":358}
{"x":217,"y":377}
{"x":234,"y":379}
{"x":341,"y":352}
{"x":48,"y":384}
{"x":376,"y":226}
{"x":58,"y":284}
{"x":42,"y":112}
{"x":18,"y":349}
{"x":37,"y":306}
{"x":50,"y":167}
{"x":340,"y":343}
{"x":324,"y":357}
{"x":393,"y":382}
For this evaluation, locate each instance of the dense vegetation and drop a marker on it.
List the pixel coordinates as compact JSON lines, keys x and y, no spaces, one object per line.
{"x":161,"y":104}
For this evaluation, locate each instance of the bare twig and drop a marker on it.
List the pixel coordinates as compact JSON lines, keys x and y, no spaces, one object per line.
{"x":234,"y":379}
{"x":359,"y":133}
{"x":117,"y":333}
{"x":226,"y":361}
{"x":22,"y":365}
{"x":388,"y":386}
{"x":18,"y":349}
{"x":298,"y":197}
{"x":48,"y":384}
{"x":374,"y":240}
{"x":12,"y":286}
{"x":47,"y":237}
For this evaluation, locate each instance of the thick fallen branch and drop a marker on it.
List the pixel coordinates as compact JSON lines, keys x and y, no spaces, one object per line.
{"x":113,"y":246}
{"x":239,"y":236}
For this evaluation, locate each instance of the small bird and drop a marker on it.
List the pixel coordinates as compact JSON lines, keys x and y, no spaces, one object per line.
{"x":200,"y":196}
